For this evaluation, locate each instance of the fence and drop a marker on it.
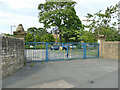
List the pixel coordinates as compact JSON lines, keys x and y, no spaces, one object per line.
{"x":42,"y":51}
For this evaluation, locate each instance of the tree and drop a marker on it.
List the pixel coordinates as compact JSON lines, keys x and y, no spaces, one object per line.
{"x":34,"y":30}
{"x":29,"y":38}
{"x":62,"y":15}
{"x":72,"y":35}
{"x":48,"y":38}
{"x":104,"y":22}
{"x":88,"y":36}
{"x":41,"y":35}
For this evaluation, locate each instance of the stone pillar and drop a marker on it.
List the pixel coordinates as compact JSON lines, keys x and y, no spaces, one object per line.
{"x":101,"y":39}
{"x":20,"y":33}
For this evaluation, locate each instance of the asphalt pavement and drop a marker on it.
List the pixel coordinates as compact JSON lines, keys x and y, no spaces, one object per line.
{"x":86,"y":73}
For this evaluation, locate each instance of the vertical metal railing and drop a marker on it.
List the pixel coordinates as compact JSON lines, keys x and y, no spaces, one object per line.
{"x":84,"y":47}
{"x":98,"y":50}
{"x":42,"y":52}
{"x":67,"y":51}
{"x":46,"y":51}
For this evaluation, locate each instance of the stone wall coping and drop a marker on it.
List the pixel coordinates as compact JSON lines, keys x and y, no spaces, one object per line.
{"x":111,"y":42}
{"x":9,"y":37}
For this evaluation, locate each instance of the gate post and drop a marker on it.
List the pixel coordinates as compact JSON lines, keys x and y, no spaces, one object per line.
{"x":101,"y":39}
{"x":98,"y":50}
{"x":47,"y":52}
{"x":67,"y":51}
{"x":84,"y":46}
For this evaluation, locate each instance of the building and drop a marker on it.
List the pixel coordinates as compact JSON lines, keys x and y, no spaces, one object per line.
{"x":2,"y":33}
{"x":55,"y":33}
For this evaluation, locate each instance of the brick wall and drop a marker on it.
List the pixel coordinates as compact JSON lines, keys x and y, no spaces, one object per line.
{"x":12,"y":55}
{"x":109,"y":49}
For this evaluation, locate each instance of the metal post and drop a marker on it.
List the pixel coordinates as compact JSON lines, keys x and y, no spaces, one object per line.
{"x":98,"y":50}
{"x":11,"y":28}
{"x":67,"y":51}
{"x":35,"y":50}
{"x":84,"y":45}
{"x":47,"y":52}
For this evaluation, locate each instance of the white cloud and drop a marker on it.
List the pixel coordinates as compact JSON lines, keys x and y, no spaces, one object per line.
{"x":18,"y":4}
{"x":30,"y":19}
{"x":4,"y":14}
{"x":8,"y":19}
{"x":97,"y":1}
{"x":92,"y":6}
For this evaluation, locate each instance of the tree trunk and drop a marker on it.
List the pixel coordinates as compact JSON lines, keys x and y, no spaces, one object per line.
{"x":60,"y":37}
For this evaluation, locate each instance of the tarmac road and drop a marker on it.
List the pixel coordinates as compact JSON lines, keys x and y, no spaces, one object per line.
{"x":66,"y":74}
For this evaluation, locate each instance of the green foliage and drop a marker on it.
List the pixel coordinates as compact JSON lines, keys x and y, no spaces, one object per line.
{"x":40,"y":35}
{"x":9,"y":35}
{"x":48,"y":38}
{"x":34,"y":30}
{"x":72,"y":35}
{"x":88,"y":37}
{"x":29,"y":38}
{"x":62,"y":15}
{"x":24,"y":63}
{"x":104,"y":23}
{"x":32,"y":64}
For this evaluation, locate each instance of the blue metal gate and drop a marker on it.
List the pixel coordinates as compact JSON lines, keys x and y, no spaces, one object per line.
{"x":42,"y":51}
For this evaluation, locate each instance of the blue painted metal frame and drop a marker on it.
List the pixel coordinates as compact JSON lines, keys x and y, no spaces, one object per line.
{"x":84,"y":47}
{"x":67,"y":52}
{"x":46,"y":51}
{"x":98,"y":50}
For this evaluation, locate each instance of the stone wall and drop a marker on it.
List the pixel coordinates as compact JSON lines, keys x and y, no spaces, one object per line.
{"x":109,"y":49}
{"x":12,"y":53}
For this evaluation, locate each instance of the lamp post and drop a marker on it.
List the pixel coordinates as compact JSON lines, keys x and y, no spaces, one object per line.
{"x":11,"y":28}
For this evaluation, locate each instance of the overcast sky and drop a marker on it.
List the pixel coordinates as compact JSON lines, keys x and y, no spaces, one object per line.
{"x":14,"y":12}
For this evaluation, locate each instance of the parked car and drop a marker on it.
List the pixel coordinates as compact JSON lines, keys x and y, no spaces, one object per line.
{"x":55,"y":47}
{"x":91,"y":46}
{"x":31,"y":46}
{"x":72,"y":47}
